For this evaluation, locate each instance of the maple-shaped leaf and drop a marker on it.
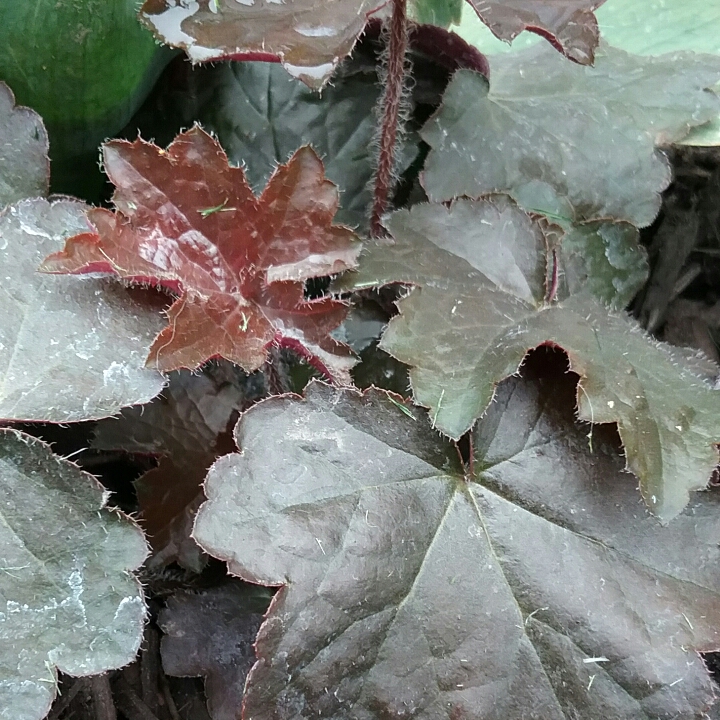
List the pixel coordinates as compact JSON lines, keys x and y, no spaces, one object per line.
{"x":532,"y":585}
{"x":480,"y":267}
{"x":188,"y":427}
{"x":188,"y":222}
{"x":69,"y":600}
{"x":570,"y":25}
{"x":309,"y":37}
{"x":24,"y":163}
{"x":567,"y":139}
{"x":68,"y":351}
{"x":211,"y":634}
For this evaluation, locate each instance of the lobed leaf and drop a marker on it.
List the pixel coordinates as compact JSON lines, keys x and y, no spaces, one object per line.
{"x":309,"y":37}
{"x":69,"y":600}
{"x":410,"y":589}
{"x":23,"y":151}
{"x":567,"y":139}
{"x":69,"y":351}
{"x":190,"y":223}
{"x":480,"y":306}
{"x":569,"y":25}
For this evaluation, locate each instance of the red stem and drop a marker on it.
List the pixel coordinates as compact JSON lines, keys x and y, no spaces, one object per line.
{"x":552,"y":292}
{"x":391,"y":101}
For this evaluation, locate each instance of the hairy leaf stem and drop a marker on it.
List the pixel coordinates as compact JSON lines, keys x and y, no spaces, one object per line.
{"x":390,"y":105}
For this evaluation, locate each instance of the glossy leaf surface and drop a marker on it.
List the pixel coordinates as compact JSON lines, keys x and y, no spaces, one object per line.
{"x":570,"y":25}
{"x":25,"y":168}
{"x":411,"y":591}
{"x":69,"y":601}
{"x":568,"y":139}
{"x":309,"y":37}
{"x":190,"y":223}
{"x":68,"y":350}
{"x":211,"y":634}
{"x":480,"y":268}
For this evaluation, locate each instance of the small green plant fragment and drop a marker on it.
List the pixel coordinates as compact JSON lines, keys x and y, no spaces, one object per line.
{"x":218,"y":208}
{"x":402,"y":407}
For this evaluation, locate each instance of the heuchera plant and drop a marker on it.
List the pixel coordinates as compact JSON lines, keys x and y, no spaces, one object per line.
{"x":484,"y":504}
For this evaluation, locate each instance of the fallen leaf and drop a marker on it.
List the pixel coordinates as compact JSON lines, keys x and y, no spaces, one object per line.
{"x":189,"y":223}
{"x":531,"y":585}
{"x":69,"y":600}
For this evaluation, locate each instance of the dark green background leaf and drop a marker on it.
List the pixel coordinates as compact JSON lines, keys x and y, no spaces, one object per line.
{"x":261,"y":116}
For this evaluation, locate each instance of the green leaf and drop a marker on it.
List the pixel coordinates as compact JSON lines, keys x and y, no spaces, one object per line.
{"x":437,"y":12}
{"x":607,"y":259}
{"x":68,"y":351}
{"x":86,"y":66}
{"x":261,"y":116}
{"x":69,"y":600}
{"x":532,"y":587}
{"x":641,"y":27}
{"x":480,"y":306}
{"x":23,"y":151}
{"x":550,"y":132}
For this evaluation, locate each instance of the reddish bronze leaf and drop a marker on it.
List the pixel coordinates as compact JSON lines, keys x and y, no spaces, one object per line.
{"x":309,"y":37}
{"x":570,"y":25}
{"x":189,"y":223}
